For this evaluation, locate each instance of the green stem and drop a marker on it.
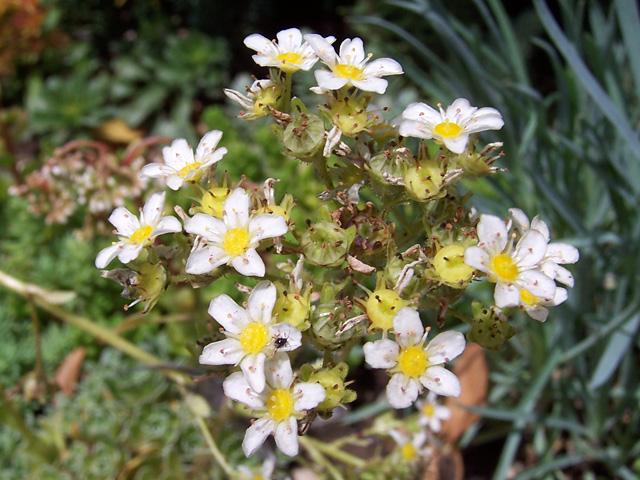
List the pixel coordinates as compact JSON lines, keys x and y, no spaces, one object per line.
{"x":286,"y":96}
{"x":215,"y":451}
{"x":320,"y":166}
{"x":319,"y":458}
{"x":35,"y":320}
{"x":331,"y":451}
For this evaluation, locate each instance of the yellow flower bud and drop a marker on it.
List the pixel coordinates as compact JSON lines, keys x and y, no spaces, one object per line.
{"x":449,"y":265}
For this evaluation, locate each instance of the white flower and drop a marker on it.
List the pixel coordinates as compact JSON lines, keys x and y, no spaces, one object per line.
{"x":136,"y":233}
{"x":536,"y":307}
{"x":453,"y":126}
{"x":279,"y":405}
{"x":351,"y":66}
{"x":432,"y":413}
{"x":411,"y":447}
{"x":556,"y":254}
{"x":251,"y":334}
{"x":180,"y":164}
{"x":260,"y":95}
{"x":265,"y":473}
{"x":289,"y":53}
{"x":413,"y":366}
{"x":234,"y":239}
{"x":511,"y":268}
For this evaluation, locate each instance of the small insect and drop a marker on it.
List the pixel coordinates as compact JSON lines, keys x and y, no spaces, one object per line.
{"x":280,"y":342}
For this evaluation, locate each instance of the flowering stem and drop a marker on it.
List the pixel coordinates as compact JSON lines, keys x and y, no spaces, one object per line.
{"x":286,"y":100}
{"x":215,"y":451}
{"x":332,"y":451}
{"x":319,"y":458}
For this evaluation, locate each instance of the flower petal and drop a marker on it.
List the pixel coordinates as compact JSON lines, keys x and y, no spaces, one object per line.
{"x":537,"y":312}
{"x":106,"y":255}
{"x":371,"y":84}
{"x":381,"y":353}
{"x":253,"y":368}
{"x":328,"y":80}
{"x":422,"y":113}
{"x":237,"y":388}
{"x":520,"y":219}
{"x":129,"y":252}
{"x":207,"y":146}
{"x":408,"y":327}
{"x":206,"y":226}
{"x":261,"y":44}
{"x":486,"y":118}
{"x":441,"y":381}
{"x":308,"y":395}
{"x":530,"y":249}
{"x":236,"y":209}
{"x":539,"y":225}
{"x":156,"y":170}
{"x":352,"y":51}
{"x":457,"y":144}
{"x":250,"y":264}
{"x":228,"y":313}
{"x":286,"y":437}
{"x":267,"y":226}
{"x":261,"y":301}
{"x":125,"y":222}
{"x":289,"y":40}
{"x":506,"y":295}
{"x":152,"y":210}
{"x":560,"y":296}
{"x":492,"y":234}
{"x":414,"y":128}
{"x":178,"y":155}
{"x":224,"y":352}
{"x":288,"y":332}
{"x":256,"y":434}
{"x":167,"y":224}
{"x":562,"y":253}
{"x":174,"y":182}
{"x":538,"y":284}
{"x":205,"y":259}
{"x":402,"y":391}
{"x":445,"y":347}
{"x":278,"y":371}
{"x":322,"y":48}
{"x":382,"y":67}
{"x":558,"y":273}
{"x":477,"y":258}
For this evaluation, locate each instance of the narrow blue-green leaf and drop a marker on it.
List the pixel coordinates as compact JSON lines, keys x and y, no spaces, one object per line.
{"x":629,"y":21}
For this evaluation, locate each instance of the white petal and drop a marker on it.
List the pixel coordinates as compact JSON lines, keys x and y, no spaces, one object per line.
{"x":457,"y":144}
{"x":402,"y":391}
{"x":250,"y":264}
{"x":256,"y":434}
{"x":286,"y":437}
{"x":152,"y":210}
{"x":351,"y":51}
{"x":106,"y":255}
{"x":207,"y":145}
{"x":562,"y":253}
{"x":267,"y":226}
{"x":539,"y":225}
{"x":288,"y":332}
{"x":538,"y":284}
{"x":253,"y":368}
{"x":492,"y":234}
{"x":558,"y":273}
{"x":261,"y":44}
{"x":484,"y":119}
{"x":560,"y":296}
{"x":537,"y":312}
{"x":289,"y":40}
{"x":371,"y":84}
{"x":423,"y":113}
{"x":443,"y":413}
{"x":212,"y":229}
{"x":435,"y":424}
{"x":205,"y":259}
{"x":441,"y":381}
{"x":239,"y":98}
{"x":236,"y":209}
{"x":506,"y":295}
{"x":125,"y":222}
{"x":445,"y":347}
{"x":329,"y":81}
{"x":278,"y":371}
{"x":519,"y":218}
{"x":237,"y":388}
{"x":382,"y":67}
{"x":322,"y":47}
{"x":381,"y":353}
{"x":414,"y":128}
{"x":174,"y":182}
{"x":224,"y":352}
{"x":530,"y":249}
{"x":477,"y":258}
{"x":228,"y":313}
{"x":408,"y":327}
{"x":167,"y":225}
{"x":308,"y":395}
{"x":156,"y":170}
{"x":459,"y":108}
{"x":261,"y":302}
{"x":178,"y":155}
{"x":129,"y":252}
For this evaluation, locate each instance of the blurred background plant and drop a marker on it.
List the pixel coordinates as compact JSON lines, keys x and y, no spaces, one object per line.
{"x":566,"y":77}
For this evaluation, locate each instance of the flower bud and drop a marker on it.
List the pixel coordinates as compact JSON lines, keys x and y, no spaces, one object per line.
{"x":424,"y":180}
{"x":449,"y":266}
{"x":143,"y":286}
{"x":382,"y":305}
{"x":350,"y":115}
{"x":326,"y":244}
{"x":293,"y":308}
{"x":212,"y":201}
{"x":333,"y":382}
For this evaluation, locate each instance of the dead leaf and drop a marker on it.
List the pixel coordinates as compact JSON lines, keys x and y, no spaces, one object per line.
{"x":471,"y":368}
{"x":359,"y":266}
{"x":445,"y":464}
{"x":116,"y":130}
{"x":69,"y":370}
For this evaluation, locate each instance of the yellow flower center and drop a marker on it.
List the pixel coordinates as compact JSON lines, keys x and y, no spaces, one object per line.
{"x":351,"y":72}
{"x":409,"y":452}
{"x":258,"y":477}
{"x":141,"y":235}
{"x":289,"y":61}
{"x":528,"y":298}
{"x":449,"y":265}
{"x":236,"y":241}
{"x":448,"y":129}
{"x":212,"y":201}
{"x":428,"y":410}
{"x":504,"y":268}
{"x":412,"y":361}
{"x":382,"y":305}
{"x":280,"y":404}
{"x":254,"y":337}
{"x":188,"y":168}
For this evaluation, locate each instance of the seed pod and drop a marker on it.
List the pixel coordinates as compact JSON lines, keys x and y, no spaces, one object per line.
{"x":326,"y":244}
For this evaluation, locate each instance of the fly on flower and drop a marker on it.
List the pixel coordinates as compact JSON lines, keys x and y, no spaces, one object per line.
{"x":351,"y":66}
{"x":234,"y":239}
{"x":451,"y":126}
{"x":412,"y":365}
{"x":136,"y":233}
{"x":180,"y":164}
{"x":252,"y":334}
{"x":279,"y":406}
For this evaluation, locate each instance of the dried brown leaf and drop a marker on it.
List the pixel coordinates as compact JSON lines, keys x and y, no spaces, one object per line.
{"x":69,"y":370}
{"x":446,"y":464}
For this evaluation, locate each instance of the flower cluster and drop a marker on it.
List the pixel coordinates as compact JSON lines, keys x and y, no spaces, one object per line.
{"x":379,"y":273}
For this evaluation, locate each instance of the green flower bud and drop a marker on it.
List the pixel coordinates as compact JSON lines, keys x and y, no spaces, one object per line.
{"x":448,"y":264}
{"x":489,"y":327}
{"x":293,"y":308}
{"x":388,"y":166}
{"x":326,"y":244}
{"x":382,"y":305}
{"x":212,"y":201}
{"x":424,"y":180}
{"x":142,"y":286}
{"x":304,"y":136}
{"x":333,"y":382}
{"x":350,"y":115}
